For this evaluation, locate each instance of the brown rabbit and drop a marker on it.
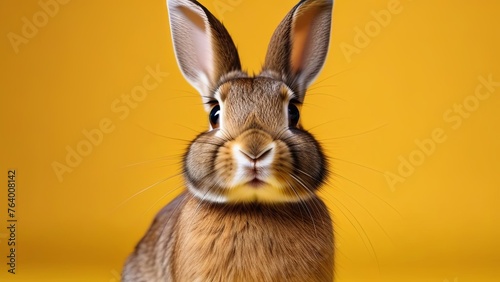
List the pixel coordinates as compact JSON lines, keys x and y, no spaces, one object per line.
{"x":250,"y":211}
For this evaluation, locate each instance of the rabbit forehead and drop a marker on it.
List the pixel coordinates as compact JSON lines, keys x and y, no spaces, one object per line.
{"x":254,"y":89}
{"x":254,"y":100}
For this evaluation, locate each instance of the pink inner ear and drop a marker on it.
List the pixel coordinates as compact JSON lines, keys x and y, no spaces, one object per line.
{"x":201,"y":44}
{"x":302,"y":37}
{"x":194,"y":18}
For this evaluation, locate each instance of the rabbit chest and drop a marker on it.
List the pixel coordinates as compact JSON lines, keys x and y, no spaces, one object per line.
{"x":253,"y":242}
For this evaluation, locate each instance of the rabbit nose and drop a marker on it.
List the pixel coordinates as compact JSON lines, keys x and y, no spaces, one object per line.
{"x":255,"y":146}
{"x":259,"y":156}
{"x":255,"y":162}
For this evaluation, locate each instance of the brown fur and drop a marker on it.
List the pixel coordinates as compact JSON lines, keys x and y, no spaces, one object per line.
{"x":237,"y":243}
{"x":250,"y":212}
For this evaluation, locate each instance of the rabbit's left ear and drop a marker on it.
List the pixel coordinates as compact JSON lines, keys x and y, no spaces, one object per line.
{"x":203,"y":47}
{"x":299,"y":45}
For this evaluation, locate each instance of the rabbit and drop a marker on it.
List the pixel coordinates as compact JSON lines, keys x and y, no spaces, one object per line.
{"x":250,"y":210}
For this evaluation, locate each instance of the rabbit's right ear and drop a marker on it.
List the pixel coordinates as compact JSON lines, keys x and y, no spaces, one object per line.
{"x":203,"y":47}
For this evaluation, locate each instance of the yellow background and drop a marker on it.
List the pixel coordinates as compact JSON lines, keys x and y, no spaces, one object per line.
{"x":369,"y":109}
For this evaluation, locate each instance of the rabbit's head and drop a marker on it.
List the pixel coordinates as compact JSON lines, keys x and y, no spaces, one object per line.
{"x":255,"y":149}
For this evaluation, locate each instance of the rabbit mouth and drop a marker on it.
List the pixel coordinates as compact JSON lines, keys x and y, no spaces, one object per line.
{"x":256,"y":183}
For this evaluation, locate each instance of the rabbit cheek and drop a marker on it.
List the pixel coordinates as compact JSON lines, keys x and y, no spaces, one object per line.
{"x":224,"y":166}
{"x":294,"y":187}
{"x":310,"y":164}
{"x":200,"y":170}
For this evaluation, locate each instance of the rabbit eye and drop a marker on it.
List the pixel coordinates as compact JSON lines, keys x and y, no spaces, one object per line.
{"x":214,"y":116}
{"x":293,"y":115}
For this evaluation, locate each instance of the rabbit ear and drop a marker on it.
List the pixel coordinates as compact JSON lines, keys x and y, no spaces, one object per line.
{"x":298,"y":47}
{"x":203,"y":47}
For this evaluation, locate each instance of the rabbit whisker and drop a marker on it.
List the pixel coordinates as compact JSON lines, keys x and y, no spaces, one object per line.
{"x":170,"y":157}
{"x":164,"y":136}
{"x":144,"y":190}
{"x":324,"y":123}
{"x":371,"y":248}
{"x":299,"y":181}
{"x":369,"y":191}
{"x":331,"y":76}
{"x":310,"y":177}
{"x":357,"y":134}
{"x":358,"y":164}
{"x":162,"y":197}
